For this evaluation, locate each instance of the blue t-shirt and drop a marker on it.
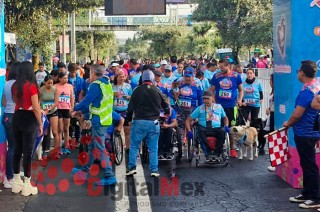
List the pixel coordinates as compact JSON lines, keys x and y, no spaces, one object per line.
{"x":205,"y":84}
{"x":213,"y":114}
{"x":171,"y":117}
{"x":190,"y":96}
{"x":251,"y":93}
{"x":304,"y":127}
{"x":208,"y":74}
{"x":167,"y":84}
{"x":115,"y":121}
{"x":134,"y":82}
{"x":177,"y":74}
{"x":226,"y":92}
{"x":121,"y":104}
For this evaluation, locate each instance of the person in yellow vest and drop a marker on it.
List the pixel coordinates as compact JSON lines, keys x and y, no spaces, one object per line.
{"x":100,"y":101}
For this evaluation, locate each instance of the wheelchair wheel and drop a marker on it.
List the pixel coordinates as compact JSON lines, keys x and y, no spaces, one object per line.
{"x":117,"y":149}
{"x":227,"y":147}
{"x":190,"y":146}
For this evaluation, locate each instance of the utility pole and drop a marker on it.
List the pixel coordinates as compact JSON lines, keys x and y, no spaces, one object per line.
{"x":73,"y":38}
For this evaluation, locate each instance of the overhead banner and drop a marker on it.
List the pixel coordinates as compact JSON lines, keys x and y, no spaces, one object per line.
{"x":3,"y":145}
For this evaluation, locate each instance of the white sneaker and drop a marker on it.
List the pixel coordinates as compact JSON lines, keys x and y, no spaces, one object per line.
{"x":7,"y":183}
{"x":271,"y":169}
{"x":28,"y":189}
{"x":17,"y":184}
{"x":155,"y":174}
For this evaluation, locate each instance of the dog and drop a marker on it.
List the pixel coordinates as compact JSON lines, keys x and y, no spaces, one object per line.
{"x":259,"y":124}
{"x":246,"y":137}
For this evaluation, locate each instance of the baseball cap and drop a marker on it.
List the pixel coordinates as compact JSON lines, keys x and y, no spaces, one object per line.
{"x":188,"y":72}
{"x":156,"y":65}
{"x":147,"y":76}
{"x":207,"y":94}
{"x":114,"y":64}
{"x":168,"y":67}
{"x":157,"y":72}
{"x":163,"y":62}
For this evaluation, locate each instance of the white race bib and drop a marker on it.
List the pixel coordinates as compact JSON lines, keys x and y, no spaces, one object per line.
{"x":120,"y":102}
{"x":225,"y":94}
{"x":64,"y":99}
{"x":186,"y":103}
{"x":249,"y":101}
{"x":47,"y":105}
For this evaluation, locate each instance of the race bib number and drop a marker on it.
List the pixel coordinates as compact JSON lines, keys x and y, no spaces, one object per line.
{"x":64,"y":99}
{"x":249,"y":101}
{"x":120,"y":102}
{"x":225,"y":94}
{"x":47,"y":105}
{"x":185,"y":103}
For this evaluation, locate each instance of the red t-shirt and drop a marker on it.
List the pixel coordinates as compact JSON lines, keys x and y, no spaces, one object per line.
{"x":28,"y":91}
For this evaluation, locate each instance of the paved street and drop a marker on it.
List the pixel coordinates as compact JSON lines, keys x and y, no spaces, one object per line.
{"x":244,"y":186}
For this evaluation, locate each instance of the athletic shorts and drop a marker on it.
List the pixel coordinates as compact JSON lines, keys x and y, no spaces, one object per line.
{"x":64,"y":113}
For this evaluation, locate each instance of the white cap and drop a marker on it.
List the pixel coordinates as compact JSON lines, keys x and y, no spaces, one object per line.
{"x":114,"y":64}
{"x":163,"y":62}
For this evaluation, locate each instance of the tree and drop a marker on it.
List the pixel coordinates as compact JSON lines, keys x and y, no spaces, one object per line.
{"x":240,"y":23}
{"x":31,"y":21}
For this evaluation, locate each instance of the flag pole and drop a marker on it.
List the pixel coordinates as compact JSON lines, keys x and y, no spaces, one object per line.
{"x":274,"y":132}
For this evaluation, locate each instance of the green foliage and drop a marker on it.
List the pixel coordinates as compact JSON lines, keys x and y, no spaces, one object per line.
{"x":240,"y":23}
{"x":137,"y":48}
{"x":180,"y":40}
{"x":104,"y":44}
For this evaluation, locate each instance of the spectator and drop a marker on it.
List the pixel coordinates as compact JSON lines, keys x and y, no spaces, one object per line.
{"x":41,"y":74}
{"x":305,"y":136}
{"x":26,"y":122}
{"x":9,"y":105}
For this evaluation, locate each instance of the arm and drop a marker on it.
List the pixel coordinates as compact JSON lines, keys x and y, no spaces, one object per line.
{"x":240,"y":97}
{"x":173,"y":124}
{"x":131,"y":107}
{"x":213,"y":90}
{"x":56,"y":100}
{"x":4,"y":100}
{"x":295,"y":116}
{"x":91,"y":95}
{"x":37,"y":111}
{"x":188,"y":123}
{"x":71,"y":98}
{"x":226,"y":121}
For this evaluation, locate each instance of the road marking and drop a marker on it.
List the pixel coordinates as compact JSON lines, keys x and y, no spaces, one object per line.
{"x":143,"y":202}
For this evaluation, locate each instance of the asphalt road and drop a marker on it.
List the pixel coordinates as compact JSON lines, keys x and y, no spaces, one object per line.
{"x":243,"y":186}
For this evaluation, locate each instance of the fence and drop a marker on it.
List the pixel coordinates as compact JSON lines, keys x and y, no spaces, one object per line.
{"x":263,"y":75}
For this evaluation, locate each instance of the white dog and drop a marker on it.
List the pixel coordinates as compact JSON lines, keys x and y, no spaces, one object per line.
{"x":246,"y":137}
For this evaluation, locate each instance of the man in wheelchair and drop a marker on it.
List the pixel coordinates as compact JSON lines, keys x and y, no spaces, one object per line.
{"x":210,"y":117}
{"x":167,"y":125}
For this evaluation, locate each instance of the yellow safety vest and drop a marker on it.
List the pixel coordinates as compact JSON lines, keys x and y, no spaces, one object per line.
{"x":105,"y":110}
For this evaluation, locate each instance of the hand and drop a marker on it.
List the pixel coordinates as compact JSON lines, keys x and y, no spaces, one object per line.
{"x":243,"y":104}
{"x":165,"y":126}
{"x":40,"y":131}
{"x":45,"y":112}
{"x":227,"y":129}
{"x":87,"y":124}
{"x":190,"y":135}
{"x":116,"y":94}
{"x":239,"y":102}
{"x":267,"y":111}
{"x":286,"y":124}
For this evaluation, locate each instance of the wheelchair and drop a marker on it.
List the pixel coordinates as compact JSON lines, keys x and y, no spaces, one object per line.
{"x":114,"y":146}
{"x":195,"y":150}
{"x":175,"y":151}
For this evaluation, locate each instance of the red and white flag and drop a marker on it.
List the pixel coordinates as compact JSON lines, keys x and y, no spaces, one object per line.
{"x":278,"y":147}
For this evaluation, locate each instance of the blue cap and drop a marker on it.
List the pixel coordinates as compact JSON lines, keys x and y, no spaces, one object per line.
{"x":188,"y":72}
{"x":230,"y":60}
{"x":156,"y":65}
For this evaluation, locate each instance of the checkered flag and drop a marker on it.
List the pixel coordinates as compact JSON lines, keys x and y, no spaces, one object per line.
{"x":278,"y":146}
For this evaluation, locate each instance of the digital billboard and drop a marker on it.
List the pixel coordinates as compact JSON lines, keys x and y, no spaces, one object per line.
{"x":135,"y":7}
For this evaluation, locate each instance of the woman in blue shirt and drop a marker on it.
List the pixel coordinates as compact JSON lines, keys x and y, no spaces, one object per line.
{"x":122,"y":94}
{"x":252,"y":97}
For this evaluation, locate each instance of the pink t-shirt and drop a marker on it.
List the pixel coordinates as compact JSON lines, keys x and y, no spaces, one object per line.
{"x":64,"y":92}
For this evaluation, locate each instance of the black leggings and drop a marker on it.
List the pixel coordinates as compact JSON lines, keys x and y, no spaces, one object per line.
{"x":24,"y":125}
{"x":245,"y":111}
{"x":165,"y":138}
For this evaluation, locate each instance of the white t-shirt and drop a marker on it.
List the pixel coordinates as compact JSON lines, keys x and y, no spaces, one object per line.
{"x":40,"y":75}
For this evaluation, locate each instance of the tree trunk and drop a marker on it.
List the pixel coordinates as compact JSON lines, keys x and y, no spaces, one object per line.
{"x":235,"y":54}
{"x":35,"y":60}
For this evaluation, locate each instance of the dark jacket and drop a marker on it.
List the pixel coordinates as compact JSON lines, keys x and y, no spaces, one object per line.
{"x":146,"y":102}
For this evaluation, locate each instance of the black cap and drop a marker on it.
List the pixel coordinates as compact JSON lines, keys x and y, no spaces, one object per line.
{"x":207,"y":94}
